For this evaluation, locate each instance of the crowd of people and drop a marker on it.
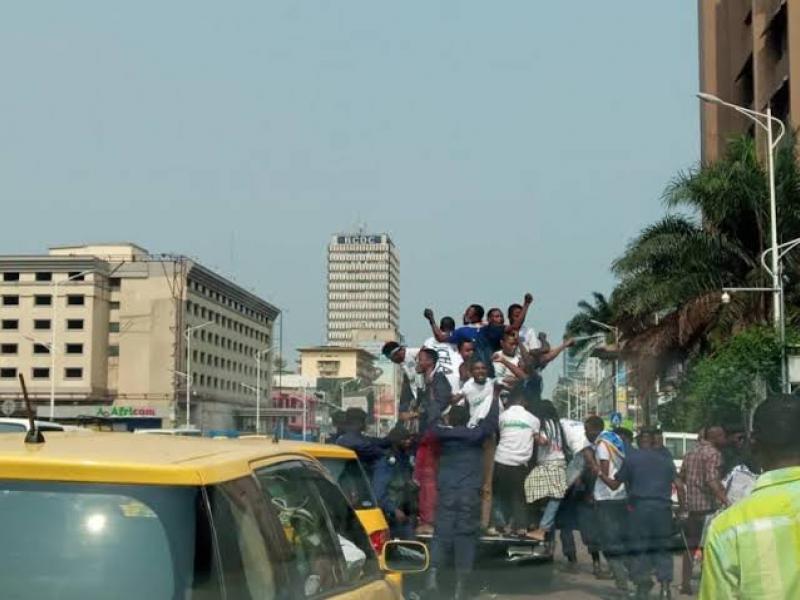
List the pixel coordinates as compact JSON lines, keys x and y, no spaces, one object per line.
{"x":478,"y":452}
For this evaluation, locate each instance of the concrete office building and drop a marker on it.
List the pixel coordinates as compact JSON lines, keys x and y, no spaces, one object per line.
{"x":750,"y":56}
{"x":119,"y":316}
{"x":363,"y":285}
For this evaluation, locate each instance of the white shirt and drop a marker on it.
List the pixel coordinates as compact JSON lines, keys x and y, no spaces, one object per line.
{"x":517,"y":430}
{"x":575,"y":434}
{"x":500,"y":370}
{"x":479,"y":399}
{"x":601,"y":490}
{"x":529,"y":338}
{"x":449,"y":360}
{"x":409,"y":366}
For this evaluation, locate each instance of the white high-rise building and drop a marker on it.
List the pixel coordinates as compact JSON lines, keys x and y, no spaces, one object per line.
{"x":363,"y":285}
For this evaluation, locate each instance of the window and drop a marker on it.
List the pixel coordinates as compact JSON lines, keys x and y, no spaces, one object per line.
{"x":113,"y":350}
{"x":9,"y":276}
{"x":41,"y":373}
{"x":40,"y":349}
{"x":113,"y":305}
{"x":74,"y":348}
{"x":329,"y":525}
{"x":42,"y":300}
{"x":114,"y":283}
{"x":10,"y":324}
{"x":76,"y":276}
{"x":10,"y":300}
{"x":113,"y":326}
{"x":74,"y":324}
{"x":44,"y":276}
{"x":41,"y":324}
{"x":8,"y":373}
{"x":352,"y":479}
{"x":8,"y":348}
{"x":73,"y":373}
{"x":75,"y":300}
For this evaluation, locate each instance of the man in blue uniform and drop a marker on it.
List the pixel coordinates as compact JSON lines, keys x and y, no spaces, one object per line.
{"x":458,"y":511}
{"x":368,"y":449}
{"x":393,"y":484}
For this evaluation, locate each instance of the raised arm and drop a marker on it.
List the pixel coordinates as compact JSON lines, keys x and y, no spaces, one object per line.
{"x":547,"y":357}
{"x":517,"y":323}
{"x":440,"y":335}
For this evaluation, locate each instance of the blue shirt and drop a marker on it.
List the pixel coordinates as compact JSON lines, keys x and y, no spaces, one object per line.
{"x":647,"y":475}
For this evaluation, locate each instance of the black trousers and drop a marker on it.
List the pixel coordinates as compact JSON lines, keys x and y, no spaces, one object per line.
{"x":612,"y":527}
{"x":509,"y":492}
{"x":456,"y":529}
{"x":651,"y":530}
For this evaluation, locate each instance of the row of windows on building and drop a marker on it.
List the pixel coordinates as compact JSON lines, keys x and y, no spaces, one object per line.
{"x":358,"y":296}
{"x":356,"y":267}
{"x":225,"y":363}
{"x":348,"y":326}
{"x":226,"y":301}
{"x":40,"y":276}
{"x":360,"y":256}
{"x":368,"y":315}
{"x":44,"y":300}
{"x":46,"y":324}
{"x":360,"y":276}
{"x":224,"y":343}
{"x":206,"y":314}
{"x":73,"y":373}
{"x":359,"y":305}
{"x":12,"y":349}
{"x":217,"y":383}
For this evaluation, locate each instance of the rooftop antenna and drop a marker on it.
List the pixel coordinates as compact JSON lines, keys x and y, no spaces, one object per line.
{"x":34,"y":436}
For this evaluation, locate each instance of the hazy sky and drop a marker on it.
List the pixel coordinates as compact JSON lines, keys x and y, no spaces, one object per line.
{"x":505,"y":146}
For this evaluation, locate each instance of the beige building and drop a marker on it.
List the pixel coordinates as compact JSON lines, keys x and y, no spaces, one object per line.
{"x":119,"y":316}
{"x":750,"y":56}
{"x":363,"y":285}
{"x":336,"y":362}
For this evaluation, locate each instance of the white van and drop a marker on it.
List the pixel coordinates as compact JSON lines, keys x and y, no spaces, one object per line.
{"x":679,"y":443}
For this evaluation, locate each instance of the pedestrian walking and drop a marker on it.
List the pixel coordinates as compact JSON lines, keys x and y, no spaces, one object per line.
{"x":648,"y":475}
{"x":753,"y":548}
{"x":610,"y":505}
{"x":701,"y":474}
{"x":458,"y":510}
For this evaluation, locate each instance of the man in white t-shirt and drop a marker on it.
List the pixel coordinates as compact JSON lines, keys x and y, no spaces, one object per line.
{"x":518,"y":430}
{"x":507,"y":369}
{"x":610,"y":505}
{"x":478,"y":393}
{"x":449,"y":358}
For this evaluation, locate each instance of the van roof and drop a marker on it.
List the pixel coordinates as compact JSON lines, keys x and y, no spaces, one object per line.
{"x":135,"y":459}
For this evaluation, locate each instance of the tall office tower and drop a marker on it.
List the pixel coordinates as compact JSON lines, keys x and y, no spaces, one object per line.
{"x":363,"y":285}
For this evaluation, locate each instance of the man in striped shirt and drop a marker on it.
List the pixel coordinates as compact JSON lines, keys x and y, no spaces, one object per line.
{"x":753,"y":548}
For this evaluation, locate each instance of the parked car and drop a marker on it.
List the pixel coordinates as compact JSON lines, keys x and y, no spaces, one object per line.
{"x":175,"y":517}
{"x":182,"y":431}
{"x":9,"y":425}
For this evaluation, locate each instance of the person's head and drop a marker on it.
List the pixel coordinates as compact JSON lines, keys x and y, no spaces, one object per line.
{"x":473,"y":314}
{"x":394,"y":352}
{"x":593,"y":426}
{"x":513,"y":312}
{"x":646,"y":439}
{"x":495,"y":316}
{"x":735,"y":435}
{"x":545,"y":410}
{"x":399,"y":437}
{"x":466,"y":349}
{"x":458,"y":416}
{"x":516,"y":395}
{"x":479,"y":371}
{"x":447,"y":324}
{"x":625,"y":434}
{"x":509,"y":343}
{"x":658,"y":439}
{"x":426,"y":360}
{"x":355,"y":419}
{"x":715,"y":435}
{"x":337,"y":420}
{"x":776,"y":424}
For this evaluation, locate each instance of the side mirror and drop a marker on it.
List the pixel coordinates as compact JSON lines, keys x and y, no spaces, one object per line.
{"x":401,"y":556}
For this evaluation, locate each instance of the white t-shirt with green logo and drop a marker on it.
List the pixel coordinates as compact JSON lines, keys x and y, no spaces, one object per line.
{"x":517,"y":430}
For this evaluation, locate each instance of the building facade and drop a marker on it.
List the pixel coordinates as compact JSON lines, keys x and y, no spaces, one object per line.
{"x":118,"y":316}
{"x":363,"y":285}
{"x":750,"y":56}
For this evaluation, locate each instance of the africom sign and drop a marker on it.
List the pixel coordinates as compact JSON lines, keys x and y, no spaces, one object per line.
{"x":106,"y":411}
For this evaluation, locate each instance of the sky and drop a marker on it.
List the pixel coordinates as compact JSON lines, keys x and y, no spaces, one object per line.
{"x":506,"y":147}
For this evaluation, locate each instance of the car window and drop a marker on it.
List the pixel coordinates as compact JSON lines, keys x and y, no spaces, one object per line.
{"x":240,"y":517}
{"x":352,"y":479}
{"x":675,"y":446}
{"x":359,"y":555}
{"x":11,"y":427}
{"x":124,"y":541}
{"x":316,"y":555}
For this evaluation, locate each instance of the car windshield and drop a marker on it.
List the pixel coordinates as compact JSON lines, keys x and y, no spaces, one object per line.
{"x":350,"y":476}
{"x":76,"y":541}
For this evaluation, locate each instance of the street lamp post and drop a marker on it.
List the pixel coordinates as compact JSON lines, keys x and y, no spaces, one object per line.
{"x":615,"y":331}
{"x":257,"y":355}
{"x":53,"y":329}
{"x":189,"y":333}
{"x":766,"y":121}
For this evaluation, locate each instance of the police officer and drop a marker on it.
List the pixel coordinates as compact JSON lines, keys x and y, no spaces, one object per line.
{"x":393,"y":484}
{"x":458,"y":511}
{"x":368,"y":449}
